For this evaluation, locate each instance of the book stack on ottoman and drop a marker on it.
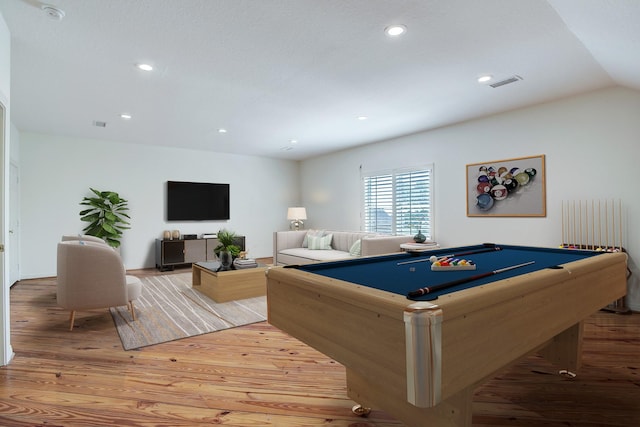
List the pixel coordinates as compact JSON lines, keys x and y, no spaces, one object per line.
{"x":240,"y":264}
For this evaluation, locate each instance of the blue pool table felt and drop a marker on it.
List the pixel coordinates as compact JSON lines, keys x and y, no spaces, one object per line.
{"x":384,"y":272}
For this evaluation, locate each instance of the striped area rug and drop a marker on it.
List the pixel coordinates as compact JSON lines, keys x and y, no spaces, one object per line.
{"x":169,"y":309}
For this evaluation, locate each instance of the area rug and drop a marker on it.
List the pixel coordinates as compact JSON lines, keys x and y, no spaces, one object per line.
{"x":169,"y":309}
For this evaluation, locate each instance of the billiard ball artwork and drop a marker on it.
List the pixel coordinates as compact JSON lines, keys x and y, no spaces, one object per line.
{"x":495,"y":185}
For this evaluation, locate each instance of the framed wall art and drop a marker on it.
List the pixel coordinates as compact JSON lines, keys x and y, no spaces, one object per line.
{"x":511,"y":187}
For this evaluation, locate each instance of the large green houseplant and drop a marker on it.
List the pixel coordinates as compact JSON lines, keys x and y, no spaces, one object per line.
{"x":106,"y":215}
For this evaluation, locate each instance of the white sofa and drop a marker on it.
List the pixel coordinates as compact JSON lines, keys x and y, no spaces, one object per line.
{"x":291,"y":247}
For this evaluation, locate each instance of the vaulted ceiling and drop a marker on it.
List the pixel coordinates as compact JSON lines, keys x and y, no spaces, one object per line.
{"x":293,"y":78}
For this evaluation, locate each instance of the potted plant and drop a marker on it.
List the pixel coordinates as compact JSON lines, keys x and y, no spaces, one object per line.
{"x":106,"y":215}
{"x":227,"y":242}
{"x":226,"y":250}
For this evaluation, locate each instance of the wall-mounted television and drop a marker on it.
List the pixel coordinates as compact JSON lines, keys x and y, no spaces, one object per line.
{"x":197,"y":201}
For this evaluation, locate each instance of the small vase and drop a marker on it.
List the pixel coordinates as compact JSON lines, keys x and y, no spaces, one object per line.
{"x":226,"y":260}
{"x":419,"y":238}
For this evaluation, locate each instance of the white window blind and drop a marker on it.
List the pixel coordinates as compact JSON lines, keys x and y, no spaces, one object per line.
{"x":399,"y":201}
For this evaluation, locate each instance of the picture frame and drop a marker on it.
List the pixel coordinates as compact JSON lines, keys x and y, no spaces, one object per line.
{"x":507,"y":188}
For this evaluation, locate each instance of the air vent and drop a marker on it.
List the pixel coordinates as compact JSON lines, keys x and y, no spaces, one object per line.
{"x":507,"y":81}
{"x":100,"y":124}
{"x":53,"y":12}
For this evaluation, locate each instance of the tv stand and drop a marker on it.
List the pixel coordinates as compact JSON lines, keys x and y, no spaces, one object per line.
{"x":180,"y":252}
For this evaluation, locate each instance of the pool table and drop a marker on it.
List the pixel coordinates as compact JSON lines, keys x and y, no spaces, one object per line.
{"x":421,"y":359}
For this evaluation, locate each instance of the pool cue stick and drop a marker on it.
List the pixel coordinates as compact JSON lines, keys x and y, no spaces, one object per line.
{"x":429,"y":289}
{"x":620,"y":225}
{"x":613,"y":224}
{"x":586,"y":225}
{"x":606,"y":224}
{"x":477,"y":251}
{"x":593,"y":226}
{"x":573,"y":223}
{"x":599,"y":225}
{"x":562,"y":239}
{"x":580,"y":224}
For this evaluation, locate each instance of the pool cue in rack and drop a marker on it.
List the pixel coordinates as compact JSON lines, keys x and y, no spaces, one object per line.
{"x":601,"y":229}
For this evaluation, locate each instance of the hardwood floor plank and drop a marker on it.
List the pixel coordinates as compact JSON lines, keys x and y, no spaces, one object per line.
{"x":256,"y":375}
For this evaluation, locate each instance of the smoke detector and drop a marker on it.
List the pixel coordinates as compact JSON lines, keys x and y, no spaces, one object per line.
{"x":53,"y":12}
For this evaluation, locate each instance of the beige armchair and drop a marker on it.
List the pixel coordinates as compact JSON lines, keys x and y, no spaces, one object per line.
{"x":91,"y":275}
{"x":83,"y":237}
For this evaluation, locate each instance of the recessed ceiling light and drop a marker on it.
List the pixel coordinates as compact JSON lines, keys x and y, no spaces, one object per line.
{"x":485,"y":78}
{"x":222,"y":130}
{"x":395,"y":30}
{"x":125,"y":116}
{"x":293,"y":141}
{"x":145,"y":67}
{"x":362,"y":117}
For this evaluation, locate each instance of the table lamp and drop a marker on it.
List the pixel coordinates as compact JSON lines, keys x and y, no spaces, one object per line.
{"x":296,"y":215}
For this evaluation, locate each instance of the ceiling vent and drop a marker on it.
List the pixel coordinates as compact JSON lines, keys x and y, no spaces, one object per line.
{"x":100,"y":124}
{"x":53,"y":12}
{"x":506,"y":81}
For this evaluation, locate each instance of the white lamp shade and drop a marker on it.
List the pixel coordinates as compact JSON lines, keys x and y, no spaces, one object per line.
{"x":296,"y":213}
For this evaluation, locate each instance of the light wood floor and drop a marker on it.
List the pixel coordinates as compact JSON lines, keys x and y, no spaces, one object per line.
{"x":258,"y":376}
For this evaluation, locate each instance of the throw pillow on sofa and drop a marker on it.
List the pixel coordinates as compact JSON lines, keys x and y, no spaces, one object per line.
{"x":356,"y":248}
{"x":311,"y":233}
{"x":320,"y":243}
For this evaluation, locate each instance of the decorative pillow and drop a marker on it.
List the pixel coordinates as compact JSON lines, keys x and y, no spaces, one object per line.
{"x":314,"y":233}
{"x":355,"y":248}
{"x":320,"y":243}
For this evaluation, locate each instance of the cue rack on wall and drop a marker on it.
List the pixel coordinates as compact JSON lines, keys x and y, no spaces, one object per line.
{"x":595,"y":225}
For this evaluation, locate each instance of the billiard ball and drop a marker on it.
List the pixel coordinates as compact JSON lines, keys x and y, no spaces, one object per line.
{"x":483,"y":169}
{"x":483,"y":178}
{"x":484,"y":202}
{"x":511,"y":184}
{"x":499,"y":192}
{"x":522,"y":178}
{"x":501,"y":170}
{"x":531,"y":172}
{"x":483,"y":187}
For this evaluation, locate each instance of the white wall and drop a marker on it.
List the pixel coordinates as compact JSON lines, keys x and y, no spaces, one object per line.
{"x":56,"y":173}
{"x":5,"y":95}
{"x":592,"y":148}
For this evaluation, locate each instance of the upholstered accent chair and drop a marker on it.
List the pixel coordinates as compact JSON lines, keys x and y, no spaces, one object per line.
{"x":82,"y":237}
{"x":91,"y":275}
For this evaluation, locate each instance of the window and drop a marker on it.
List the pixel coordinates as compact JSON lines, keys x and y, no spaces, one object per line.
{"x":399,"y":201}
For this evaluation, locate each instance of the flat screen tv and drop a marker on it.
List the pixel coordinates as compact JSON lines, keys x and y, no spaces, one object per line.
{"x":197,"y":201}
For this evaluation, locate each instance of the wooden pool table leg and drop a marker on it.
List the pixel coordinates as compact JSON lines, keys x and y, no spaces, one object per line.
{"x":452,"y":412}
{"x":565,"y":349}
